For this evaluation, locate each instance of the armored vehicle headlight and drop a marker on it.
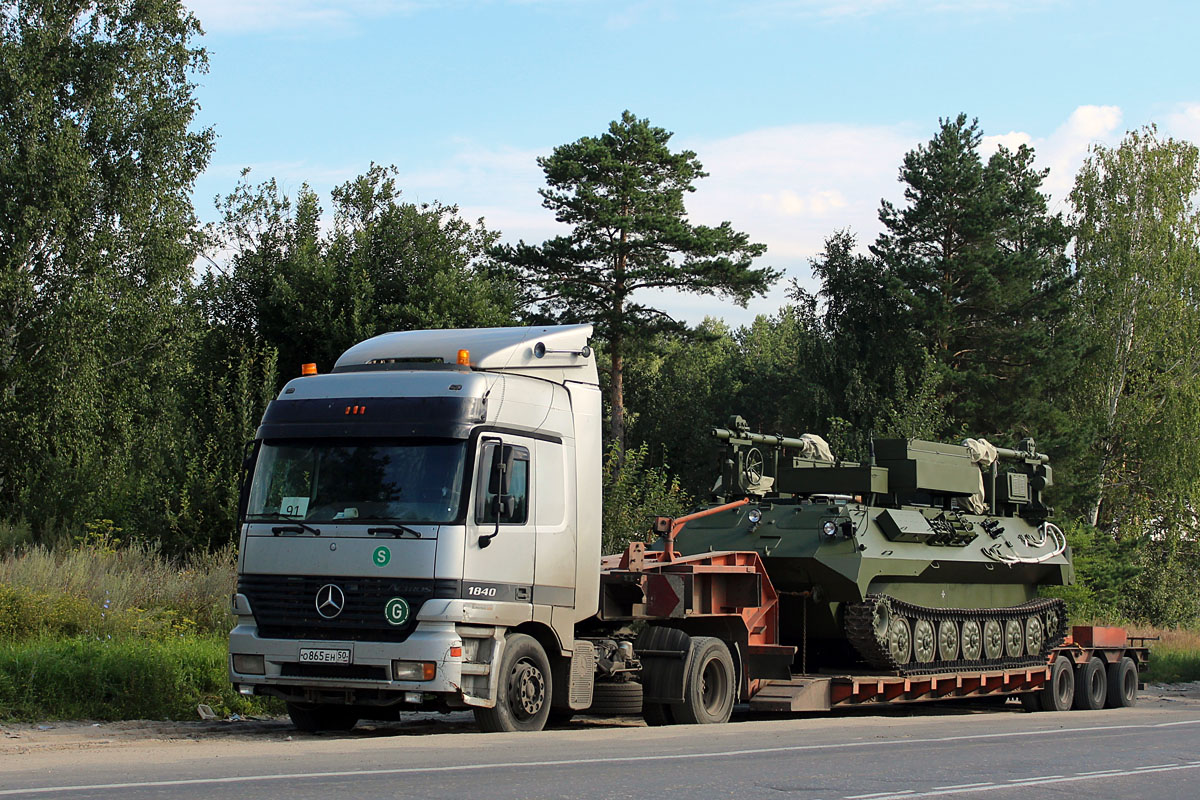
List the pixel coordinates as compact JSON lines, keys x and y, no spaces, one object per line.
{"x":755,"y":515}
{"x":829,"y":529}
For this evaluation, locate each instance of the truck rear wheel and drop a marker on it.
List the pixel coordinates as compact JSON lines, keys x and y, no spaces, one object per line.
{"x":709,"y":684}
{"x":311,"y":717}
{"x":1122,"y":684}
{"x":523,"y":692}
{"x":1091,"y":685}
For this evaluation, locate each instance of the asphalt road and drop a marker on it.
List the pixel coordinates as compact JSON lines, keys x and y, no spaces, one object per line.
{"x":1150,"y":751}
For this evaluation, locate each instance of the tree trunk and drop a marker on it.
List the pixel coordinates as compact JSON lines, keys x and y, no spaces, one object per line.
{"x":616,"y":398}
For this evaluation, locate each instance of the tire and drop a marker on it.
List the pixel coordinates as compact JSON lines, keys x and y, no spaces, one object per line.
{"x":1059,"y":691}
{"x":616,"y":699}
{"x":310,"y":717}
{"x":1091,"y":685}
{"x":1032,"y":701}
{"x":523,"y":689}
{"x":657,"y":714}
{"x":710,"y":684}
{"x":1122,"y":684}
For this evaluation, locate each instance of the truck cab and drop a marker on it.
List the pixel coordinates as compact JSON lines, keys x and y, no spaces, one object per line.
{"x":420,"y":528}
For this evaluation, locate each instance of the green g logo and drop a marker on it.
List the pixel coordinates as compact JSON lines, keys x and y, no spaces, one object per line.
{"x":396,"y":611}
{"x":381,"y":556}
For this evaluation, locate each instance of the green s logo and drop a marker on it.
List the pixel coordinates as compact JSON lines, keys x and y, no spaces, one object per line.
{"x":381,"y":556}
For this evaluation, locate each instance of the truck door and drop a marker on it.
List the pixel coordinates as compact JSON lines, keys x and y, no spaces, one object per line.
{"x":498,"y":563}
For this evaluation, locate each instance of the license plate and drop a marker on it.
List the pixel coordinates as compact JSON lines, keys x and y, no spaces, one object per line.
{"x":321,"y":655}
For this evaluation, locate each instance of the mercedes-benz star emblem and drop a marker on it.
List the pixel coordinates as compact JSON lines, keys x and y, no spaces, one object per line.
{"x":330,"y":601}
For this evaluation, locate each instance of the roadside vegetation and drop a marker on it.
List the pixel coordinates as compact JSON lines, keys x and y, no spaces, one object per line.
{"x":104,"y":630}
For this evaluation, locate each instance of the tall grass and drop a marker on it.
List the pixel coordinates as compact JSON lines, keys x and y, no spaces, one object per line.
{"x":1174,"y":658}
{"x":131,"y":588}
{"x":81,"y":678}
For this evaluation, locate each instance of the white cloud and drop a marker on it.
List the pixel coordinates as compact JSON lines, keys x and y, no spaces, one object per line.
{"x":241,"y":16}
{"x":1184,"y":122}
{"x":1065,"y":149}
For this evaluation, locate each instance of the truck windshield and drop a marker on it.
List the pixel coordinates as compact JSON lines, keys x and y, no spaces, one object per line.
{"x":325,"y":480}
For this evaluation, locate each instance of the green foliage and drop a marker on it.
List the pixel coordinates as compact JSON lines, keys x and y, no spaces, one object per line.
{"x":81,"y":678}
{"x":97,"y":161}
{"x":634,"y":494}
{"x":623,"y":194}
{"x":980,"y":269}
{"x":386,"y":266}
{"x":1138,"y":399}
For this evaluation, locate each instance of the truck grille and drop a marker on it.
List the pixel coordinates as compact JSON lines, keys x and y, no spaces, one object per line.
{"x":285,"y":606}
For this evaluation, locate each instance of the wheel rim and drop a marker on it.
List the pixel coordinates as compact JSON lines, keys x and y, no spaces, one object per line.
{"x":526,"y":689}
{"x":1062,"y":687}
{"x":948,"y":639}
{"x":972,"y":640}
{"x":754,"y":466}
{"x":1051,"y":622}
{"x":993,"y":638}
{"x":714,"y":687}
{"x":1035,"y":635}
{"x":1014,"y":638}
{"x":900,"y":640}
{"x":924,"y":646}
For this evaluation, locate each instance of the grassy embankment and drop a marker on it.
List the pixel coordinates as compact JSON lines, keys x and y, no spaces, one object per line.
{"x":97,"y":631}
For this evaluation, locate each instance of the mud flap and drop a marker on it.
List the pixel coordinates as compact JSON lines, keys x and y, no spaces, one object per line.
{"x":664,"y":655}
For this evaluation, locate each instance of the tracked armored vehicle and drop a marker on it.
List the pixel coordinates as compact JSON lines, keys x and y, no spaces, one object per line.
{"x":927,"y":559}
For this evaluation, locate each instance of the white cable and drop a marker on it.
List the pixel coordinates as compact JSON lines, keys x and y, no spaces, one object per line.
{"x":1046,"y":530}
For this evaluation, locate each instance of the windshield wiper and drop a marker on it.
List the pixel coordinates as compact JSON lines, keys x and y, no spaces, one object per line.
{"x":396,"y":531}
{"x":296,"y":527}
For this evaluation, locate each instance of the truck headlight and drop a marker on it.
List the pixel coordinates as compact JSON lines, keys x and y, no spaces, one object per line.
{"x":248,"y":664}
{"x":413,"y":670}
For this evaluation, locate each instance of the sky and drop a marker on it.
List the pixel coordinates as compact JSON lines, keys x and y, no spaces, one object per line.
{"x":799,"y":110}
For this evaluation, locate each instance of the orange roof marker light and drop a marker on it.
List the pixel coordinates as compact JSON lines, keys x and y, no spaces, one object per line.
{"x":464,"y":358}
{"x":308,"y":369}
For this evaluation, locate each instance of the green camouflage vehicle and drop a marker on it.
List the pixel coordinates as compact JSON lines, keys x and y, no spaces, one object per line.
{"x":927,"y":559}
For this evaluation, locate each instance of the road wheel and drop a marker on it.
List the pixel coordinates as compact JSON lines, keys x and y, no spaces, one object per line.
{"x":1035,"y":635}
{"x":709,"y":685}
{"x":900,"y":640}
{"x":924,"y":641}
{"x":1122,"y":684}
{"x":948,"y":640}
{"x":616,"y":699}
{"x":972,"y":640}
{"x":1091,"y":685}
{"x":993,"y":639}
{"x":1014,"y":638}
{"x":312,"y":717}
{"x":523,"y":696}
{"x":1059,"y":690}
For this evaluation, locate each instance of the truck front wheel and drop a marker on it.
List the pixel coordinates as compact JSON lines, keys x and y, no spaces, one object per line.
{"x":523,"y":693}
{"x":709,"y":685}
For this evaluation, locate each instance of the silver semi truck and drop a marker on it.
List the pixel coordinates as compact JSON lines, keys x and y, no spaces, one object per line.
{"x":421,"y":527}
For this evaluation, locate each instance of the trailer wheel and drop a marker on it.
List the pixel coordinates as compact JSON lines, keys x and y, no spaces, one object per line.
{"x":523,"y":697}
{"x":1059,"y":691}
{"x":616,"y":699}
{"x":709,"y":685}
{"x":1122,"y":684}
{"x":311,"y":717}
{"x":1091,"y":685}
